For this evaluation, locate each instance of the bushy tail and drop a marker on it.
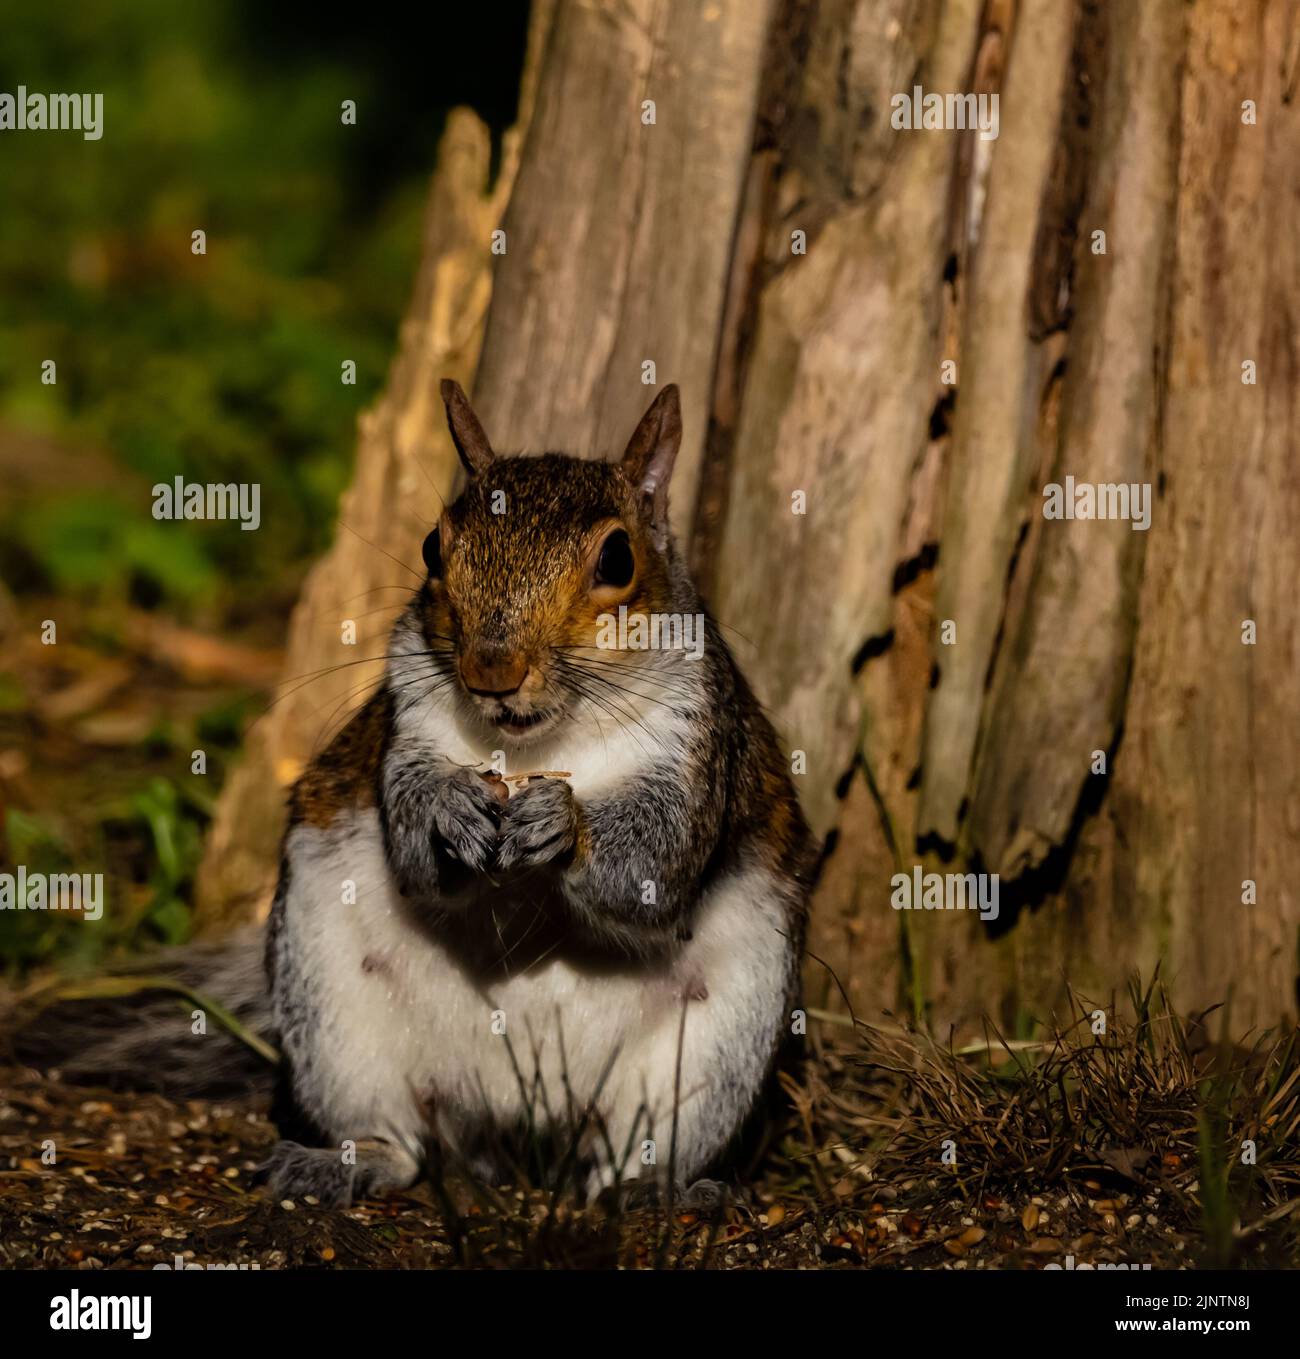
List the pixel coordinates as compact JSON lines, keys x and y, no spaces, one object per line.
{"x":195,"y":1022}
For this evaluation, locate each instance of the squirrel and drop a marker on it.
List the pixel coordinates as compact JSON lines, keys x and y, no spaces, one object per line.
{"x":621,"y":934}
{"x":540,"y":882}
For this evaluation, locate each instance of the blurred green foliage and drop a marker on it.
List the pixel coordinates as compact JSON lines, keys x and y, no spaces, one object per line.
{"x":32,"y":936}
{"x":148,"y":841}
{"x":225,"y":366}
{"x":224,"y":117}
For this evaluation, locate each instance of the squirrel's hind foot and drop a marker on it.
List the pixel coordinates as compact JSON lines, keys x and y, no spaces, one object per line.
{"x":706,"y":1198}
{"x":336,"y":1177}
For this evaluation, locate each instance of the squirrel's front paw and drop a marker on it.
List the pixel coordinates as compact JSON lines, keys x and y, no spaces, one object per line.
{"x":538,"y":825}
{"x":465,"y":816}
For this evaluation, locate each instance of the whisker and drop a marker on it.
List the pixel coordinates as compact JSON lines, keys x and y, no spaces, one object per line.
{"x":375,"y":590}
{"x":428,"y":669}
{"x":312,"y":676}
{"x":649,"y":674}
{"x":569,"y":669}
{"x":433,"y":485}
{"x":343,"y":665}
{"x":616,"y":710}
{"x":325,"y":734}
{"x":396,"y":560}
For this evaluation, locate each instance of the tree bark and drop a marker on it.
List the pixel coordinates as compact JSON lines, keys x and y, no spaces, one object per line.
{"x":1208,"y":784}
{"x":619,"y":232}
{"x":1096,"y":731}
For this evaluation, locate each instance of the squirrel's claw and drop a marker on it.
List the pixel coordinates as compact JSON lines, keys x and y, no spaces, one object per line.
{"x":465,"y":816}
{"x":538,"y":825}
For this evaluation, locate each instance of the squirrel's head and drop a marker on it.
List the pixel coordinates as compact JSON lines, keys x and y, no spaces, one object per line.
{"x":531,"y":560}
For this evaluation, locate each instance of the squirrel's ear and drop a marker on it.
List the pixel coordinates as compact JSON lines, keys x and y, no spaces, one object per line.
{"x":651,"y":452}
{"x":466,"y":432}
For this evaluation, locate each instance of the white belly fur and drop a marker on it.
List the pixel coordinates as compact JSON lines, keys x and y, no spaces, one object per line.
{"x":413,"y":1026}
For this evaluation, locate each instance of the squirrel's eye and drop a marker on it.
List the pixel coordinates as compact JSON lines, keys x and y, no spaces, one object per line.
{"x":432,"y":552}
{"x":616,"y":564}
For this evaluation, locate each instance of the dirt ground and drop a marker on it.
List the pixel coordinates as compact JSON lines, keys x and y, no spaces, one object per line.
{"x":104,"y":1180}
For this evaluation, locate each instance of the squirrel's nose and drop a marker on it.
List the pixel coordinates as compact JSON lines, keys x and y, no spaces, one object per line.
{"x":492,"y":672}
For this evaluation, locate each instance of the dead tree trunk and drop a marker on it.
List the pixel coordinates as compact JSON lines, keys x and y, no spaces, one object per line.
{"x":619,"y":232}
{"x":890,"y":342}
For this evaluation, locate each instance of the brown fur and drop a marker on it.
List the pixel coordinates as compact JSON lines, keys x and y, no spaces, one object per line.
{"x":486,"y":555}
{"x":345,"y":774}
